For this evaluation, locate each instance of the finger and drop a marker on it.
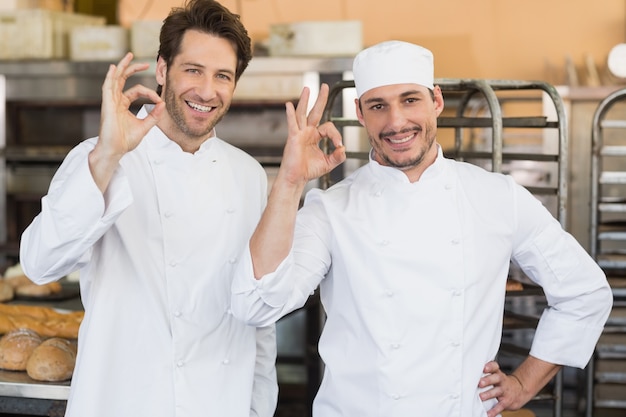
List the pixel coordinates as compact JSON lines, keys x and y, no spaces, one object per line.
{"x":337,"y":157}
{"x":489,"y":380}
{"x":496,"y":410}
{"x":139,"y":91}
{"x":157,"y":111}
{"x":495,"y":378}
{"x":491,"y":367}
{"x":292,"y":122}
{"x":124,"y":62}
{"x":108,"y":79}
{"x":153,"y":117}
{"x":494,"y":391}
{"x":120,"y":68}
{"x":301,"y":109}
{"x":135,"y":68}
{"x":316,"y":113}
{"x":329,"y":130}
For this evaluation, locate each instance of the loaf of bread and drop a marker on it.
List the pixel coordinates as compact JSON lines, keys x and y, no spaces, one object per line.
{"x":53,"y":360}
{"x":37,"y":290}
{"x":45,"y":321}
{"x":18,"y":280}
{"x":512,"y":285}
{"x":16,"y":347}
{"x":23,"y":286}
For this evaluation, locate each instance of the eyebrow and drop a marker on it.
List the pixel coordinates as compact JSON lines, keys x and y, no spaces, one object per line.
{"x":221,"y":71}
{"x":405,"y":94}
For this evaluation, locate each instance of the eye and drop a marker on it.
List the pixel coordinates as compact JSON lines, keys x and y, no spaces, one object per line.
{"x":224,"y":76}
{"x":376,"y":107}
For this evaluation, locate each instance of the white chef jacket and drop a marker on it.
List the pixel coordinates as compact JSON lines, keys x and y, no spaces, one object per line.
{"x":156,"y":256}
{"x":412,"y":278}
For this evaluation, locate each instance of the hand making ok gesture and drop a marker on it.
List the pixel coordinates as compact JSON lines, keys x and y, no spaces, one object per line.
{"x":303,"y":159}
{"x":120,"y":130}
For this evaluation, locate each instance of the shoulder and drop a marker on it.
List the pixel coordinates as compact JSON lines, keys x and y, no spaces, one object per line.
{"x":492,"y":192}
{"x":470,"y":175}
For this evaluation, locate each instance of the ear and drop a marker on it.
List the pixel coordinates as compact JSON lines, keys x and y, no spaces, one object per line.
{"x":161,"y":71}
{"x":359,"y":115}
{"x":438,"y":99}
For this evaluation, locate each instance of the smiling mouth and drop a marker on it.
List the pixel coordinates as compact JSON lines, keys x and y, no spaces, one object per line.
{"x":199,"y":107}
{"x":400,"y":141}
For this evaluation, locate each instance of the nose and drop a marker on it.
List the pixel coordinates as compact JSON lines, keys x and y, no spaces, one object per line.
{"x":397,"y":118}
{"x":206,"y":88}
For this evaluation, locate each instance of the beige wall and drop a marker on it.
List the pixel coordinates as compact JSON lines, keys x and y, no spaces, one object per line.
{"x":509,"y":39}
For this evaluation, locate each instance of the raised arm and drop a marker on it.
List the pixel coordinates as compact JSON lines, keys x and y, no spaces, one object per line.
{"x":303,"y":160}
{"x":120,"y":130}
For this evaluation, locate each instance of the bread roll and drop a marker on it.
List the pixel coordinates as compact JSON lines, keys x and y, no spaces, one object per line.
{"x":23,"y":286}
{"x":6,"y":291}
{"x":16,"y":347}
{"x":53,"y":360}
{"x":37,"y":290}
{"x":18,"y":280}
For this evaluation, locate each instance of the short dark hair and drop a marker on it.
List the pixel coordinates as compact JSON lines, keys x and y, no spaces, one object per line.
{"x":206,"y":16}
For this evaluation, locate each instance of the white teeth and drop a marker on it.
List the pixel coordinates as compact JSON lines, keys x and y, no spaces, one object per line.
{"x":403,"y":140}
{"x":199,"y":107}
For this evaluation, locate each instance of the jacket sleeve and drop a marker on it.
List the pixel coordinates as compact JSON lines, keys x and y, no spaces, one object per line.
{"x":265,"y":388}
{"x":260,"y":302}
{"x":74,"y":215}
{"x":578,"y":295}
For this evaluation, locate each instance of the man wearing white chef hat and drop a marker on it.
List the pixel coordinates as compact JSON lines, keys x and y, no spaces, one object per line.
{"x":411,"y":253}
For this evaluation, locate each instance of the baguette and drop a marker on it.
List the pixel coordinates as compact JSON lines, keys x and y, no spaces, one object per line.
{"x":46,"y":321}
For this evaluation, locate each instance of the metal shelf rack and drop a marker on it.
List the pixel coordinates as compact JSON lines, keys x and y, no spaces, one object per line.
{"x":607,"y":381}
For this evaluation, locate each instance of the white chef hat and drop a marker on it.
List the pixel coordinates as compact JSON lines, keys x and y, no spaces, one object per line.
{"x":392,"y":62}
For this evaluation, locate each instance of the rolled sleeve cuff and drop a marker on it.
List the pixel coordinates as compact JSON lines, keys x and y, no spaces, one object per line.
{"x":563,"y":342}
{"x":273,"y":289}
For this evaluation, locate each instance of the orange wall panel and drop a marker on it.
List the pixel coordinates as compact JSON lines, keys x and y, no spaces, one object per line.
{"x":484,"y":38}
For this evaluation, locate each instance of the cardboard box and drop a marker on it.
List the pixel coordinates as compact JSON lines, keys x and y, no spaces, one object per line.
{"x":39,"y":34}
{"x":144,"y":38}
{"x":325,"y":38}
{"x":98,"y":43}
{"x":55,"y":5}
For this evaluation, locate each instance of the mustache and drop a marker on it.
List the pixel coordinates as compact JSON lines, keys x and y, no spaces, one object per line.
{"x":388,"y":133}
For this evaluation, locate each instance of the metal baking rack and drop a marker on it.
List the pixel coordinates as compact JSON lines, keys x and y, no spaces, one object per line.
{"x":606,"y":382}
{"x":480,"y":106}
